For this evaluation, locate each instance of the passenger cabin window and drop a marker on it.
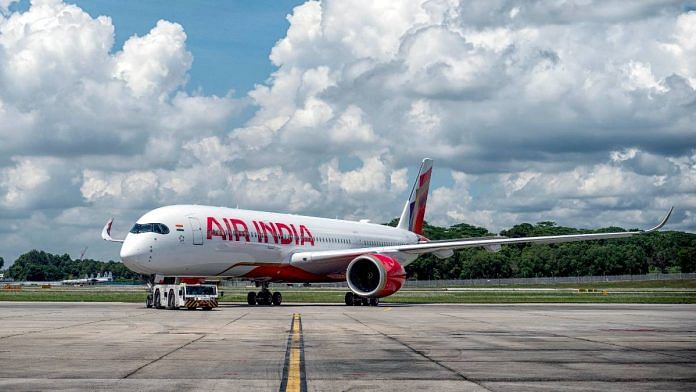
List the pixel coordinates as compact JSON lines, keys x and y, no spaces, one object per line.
{"x":159,"y":228}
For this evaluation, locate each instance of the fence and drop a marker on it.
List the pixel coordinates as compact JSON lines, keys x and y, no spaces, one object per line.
{"x":548,"y":280}
{"x":504,"y":281}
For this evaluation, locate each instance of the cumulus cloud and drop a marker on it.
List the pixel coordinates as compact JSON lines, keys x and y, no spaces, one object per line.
{"x":576,"y":111}
{"x":82,"y":122}
{"x":155,"y":63}
{"x":549,"y":110}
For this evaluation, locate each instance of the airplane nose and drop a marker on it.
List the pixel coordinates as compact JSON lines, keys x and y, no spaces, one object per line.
{"x":131,"y":255}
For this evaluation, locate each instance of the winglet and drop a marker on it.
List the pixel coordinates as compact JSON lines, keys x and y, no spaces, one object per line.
{"x":106,"y":231}
{"x":658,"y":227}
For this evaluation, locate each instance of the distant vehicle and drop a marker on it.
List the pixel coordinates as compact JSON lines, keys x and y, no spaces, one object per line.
{"x":91,"y":279}
{"x":190,"y":296}
{"x":268,"y":247}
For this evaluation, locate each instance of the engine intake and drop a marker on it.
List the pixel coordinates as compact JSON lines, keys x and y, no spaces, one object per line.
{"x":375,"y":275}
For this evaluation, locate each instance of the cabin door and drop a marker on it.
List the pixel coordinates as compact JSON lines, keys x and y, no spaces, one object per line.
{"x":197,"y":230}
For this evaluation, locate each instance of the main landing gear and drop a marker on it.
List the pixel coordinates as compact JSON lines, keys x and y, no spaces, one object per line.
{"x":353,"y":299}
{"x":264,"y":297}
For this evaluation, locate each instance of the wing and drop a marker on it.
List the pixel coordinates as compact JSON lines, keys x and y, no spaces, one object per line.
{"x":335,"y":258}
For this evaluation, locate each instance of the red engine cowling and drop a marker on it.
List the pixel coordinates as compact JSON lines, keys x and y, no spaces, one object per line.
{"x":375,"y":275}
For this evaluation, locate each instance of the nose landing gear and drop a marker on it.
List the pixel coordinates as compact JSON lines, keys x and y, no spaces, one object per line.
{"x":264,"y":297}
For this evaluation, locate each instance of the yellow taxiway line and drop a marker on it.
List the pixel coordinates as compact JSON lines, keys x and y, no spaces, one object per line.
{"x":294,"y":375}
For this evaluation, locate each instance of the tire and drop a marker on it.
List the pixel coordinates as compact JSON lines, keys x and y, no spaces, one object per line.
{"x":251,"y":298}
{"x":148,"y":301}
{"x":277,"y":298}
{"x":207,"y":308}
{"x":170,"y":299}
{"x":263,"y":298}
{"x":349,"y":299}
{"x":158,"y":300}
{"x":365,"y":302}
{"x":374,"y":301}
{"x":191,"y":308}
{"x":357,"y":300}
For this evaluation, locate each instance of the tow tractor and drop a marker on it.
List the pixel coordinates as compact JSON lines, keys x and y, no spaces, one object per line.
{"x":190,"y":296}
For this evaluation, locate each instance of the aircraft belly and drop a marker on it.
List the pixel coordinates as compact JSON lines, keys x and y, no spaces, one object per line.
{"x":324,"y":267}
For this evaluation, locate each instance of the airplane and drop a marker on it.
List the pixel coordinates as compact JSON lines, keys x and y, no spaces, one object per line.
{"x":91,"y":279}
{"x":206,"y":242}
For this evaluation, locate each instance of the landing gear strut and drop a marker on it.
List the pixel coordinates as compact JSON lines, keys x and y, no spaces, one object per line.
{"x":353,"y":299}
{"x":264,"y":297}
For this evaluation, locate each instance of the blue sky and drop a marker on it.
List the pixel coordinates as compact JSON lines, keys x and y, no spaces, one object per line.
{"x":230,"y":40}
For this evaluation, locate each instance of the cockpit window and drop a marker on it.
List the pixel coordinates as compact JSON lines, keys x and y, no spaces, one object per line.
{"x":159,"y":228}
{"x":141,"y":228}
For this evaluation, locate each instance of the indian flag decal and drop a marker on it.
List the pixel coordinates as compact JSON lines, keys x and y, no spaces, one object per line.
{"x":179,"y":227}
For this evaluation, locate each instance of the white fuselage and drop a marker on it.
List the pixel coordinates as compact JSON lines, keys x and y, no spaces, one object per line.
{"x":210,"y":241}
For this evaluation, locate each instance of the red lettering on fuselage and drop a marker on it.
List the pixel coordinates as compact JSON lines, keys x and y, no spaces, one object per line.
{"x":266,"y":227}
{"x":284,"y":239}
{"x":220,"y":232}
{"x":306,"y":238}
{"x":282,"y":233}
{"x":229,"y":229}
{"x":244,"y":231}
{"x":258,"y":232}
{"x":294,"y":234}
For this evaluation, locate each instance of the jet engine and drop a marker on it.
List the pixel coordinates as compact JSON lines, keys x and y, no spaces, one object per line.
{"x":375,"y":275}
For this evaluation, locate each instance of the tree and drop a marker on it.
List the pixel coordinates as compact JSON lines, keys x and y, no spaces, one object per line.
{"x":484,"y":264}
{"x":2,"y":262}
{"x":41,"y":266}
{"x":660,"y":251}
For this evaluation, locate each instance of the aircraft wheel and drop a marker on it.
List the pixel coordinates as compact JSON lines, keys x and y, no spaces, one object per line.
{"x":365,"y":301}
{"x":158,"y":300}
{"x":148,"y":301}
{"x":349,"y":298}
{"x":251,"y":298}
{"x":374,"y":301}
{"x":357,"y":300}
{"x":263,"y":298}
{"x":277,"y":298}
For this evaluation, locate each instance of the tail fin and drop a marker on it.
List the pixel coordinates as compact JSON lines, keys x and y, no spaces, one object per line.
{"x":414,"y":210}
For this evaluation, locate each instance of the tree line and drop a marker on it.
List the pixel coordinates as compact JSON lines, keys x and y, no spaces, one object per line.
{"x":666,"y":251}
{"x":38,"y":265}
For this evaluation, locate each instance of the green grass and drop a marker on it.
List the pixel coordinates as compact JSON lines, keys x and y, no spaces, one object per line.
{"x":73,"y":296}
{"x":630,"y":292}
{"x":675,"y":284}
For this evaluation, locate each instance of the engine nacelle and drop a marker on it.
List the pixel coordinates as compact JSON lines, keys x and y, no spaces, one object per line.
{"x":375,"y":275}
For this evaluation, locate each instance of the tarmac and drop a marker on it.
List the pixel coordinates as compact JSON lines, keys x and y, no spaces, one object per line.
{"x":535,"y":347}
